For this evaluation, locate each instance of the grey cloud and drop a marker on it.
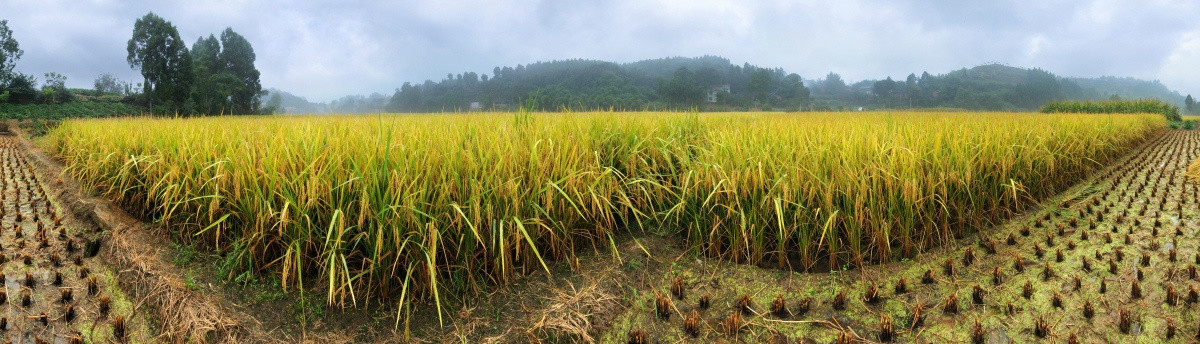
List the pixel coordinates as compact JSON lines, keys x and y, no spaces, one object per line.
{"x":325,"y":49}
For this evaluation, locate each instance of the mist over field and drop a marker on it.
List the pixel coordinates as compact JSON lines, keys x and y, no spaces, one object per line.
{"x":324,"y":51}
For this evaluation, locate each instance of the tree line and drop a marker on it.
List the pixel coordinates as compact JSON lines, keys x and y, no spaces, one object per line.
{"x":216,"y":76}
{"x":589,"y":84}
{"x":711,"y":83}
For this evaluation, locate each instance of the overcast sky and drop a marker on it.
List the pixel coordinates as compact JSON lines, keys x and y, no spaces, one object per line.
{"x":323,"y":50}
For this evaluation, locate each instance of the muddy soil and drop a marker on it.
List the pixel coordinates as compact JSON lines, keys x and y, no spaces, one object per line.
{"x":55,"y":287}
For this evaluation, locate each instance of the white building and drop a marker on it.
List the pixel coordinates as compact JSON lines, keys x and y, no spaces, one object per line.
{"x":713,"y":91}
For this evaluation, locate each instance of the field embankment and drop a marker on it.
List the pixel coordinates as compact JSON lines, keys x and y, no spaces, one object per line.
{"x":411,"y":206}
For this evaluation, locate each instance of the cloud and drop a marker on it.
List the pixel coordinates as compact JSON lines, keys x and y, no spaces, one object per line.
{"x":1036,"y":45}
{"x":323,"y":50}
{"x":1179,"y":70}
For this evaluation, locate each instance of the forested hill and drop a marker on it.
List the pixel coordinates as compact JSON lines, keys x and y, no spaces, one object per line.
{"x":590,"y":84}
{"x":714,"y":83}
{"x":986,"y":87}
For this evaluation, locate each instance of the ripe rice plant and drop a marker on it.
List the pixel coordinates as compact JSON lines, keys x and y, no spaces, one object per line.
{"x":1193,"y":173}
{"x":412,"y":206}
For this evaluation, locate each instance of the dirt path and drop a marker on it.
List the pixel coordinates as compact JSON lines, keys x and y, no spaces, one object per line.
{"x":56,"y":289}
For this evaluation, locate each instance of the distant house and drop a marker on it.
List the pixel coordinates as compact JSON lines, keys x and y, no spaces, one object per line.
{"x":713,"y":91}
{"x":475,"y":106}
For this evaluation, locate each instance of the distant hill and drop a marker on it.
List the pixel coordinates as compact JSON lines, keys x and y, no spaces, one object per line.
{"x":985,"y":87}
{"x":1129,"y":88}
{"x":714,"y":83}
{"x":294,"y":104}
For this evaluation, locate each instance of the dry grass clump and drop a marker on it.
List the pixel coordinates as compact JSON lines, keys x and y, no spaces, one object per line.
{"x":779,"y":307}
{"x":662,"y":306}
{"x":1041,"y":328}
{"x":804,"y":305}
{"x":977,"y":333}
{"x":732,"y":324}
{"x":1124,"y":320}
{"x":901,"y":285}
{"x":743,"y":303}
{"x":887,"y":329}
{"x":839,"y":301}
{"x":677,"y":288}
{"x":950,"y":306}
{"x":638,"y":336}
{"x":691,"y":324}
{"x":871,"y":295}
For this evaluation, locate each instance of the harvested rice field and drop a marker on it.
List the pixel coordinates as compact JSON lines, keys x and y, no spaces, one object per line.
{"x":655,"y":227}
{"x":56,"y":289}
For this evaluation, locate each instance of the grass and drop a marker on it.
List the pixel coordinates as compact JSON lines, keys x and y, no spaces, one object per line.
{"x":411,"y":207}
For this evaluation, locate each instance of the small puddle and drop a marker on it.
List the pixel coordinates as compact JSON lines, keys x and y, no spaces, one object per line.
{"x":11,"y":285}
{"x":998,"y":336}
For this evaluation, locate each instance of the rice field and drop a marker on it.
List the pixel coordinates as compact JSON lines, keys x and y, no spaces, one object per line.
{"x":1111,"y":260}
{"x":407,"y":207}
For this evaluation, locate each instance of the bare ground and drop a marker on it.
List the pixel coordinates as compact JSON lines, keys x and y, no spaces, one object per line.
{"x":58,"y":285}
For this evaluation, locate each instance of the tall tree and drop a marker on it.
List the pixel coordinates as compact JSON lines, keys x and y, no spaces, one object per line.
{"x":883,"y":88}
{"x":10,"y":52}
{"x":406,"y":99}
{"x":682,"y":89}
{"x":759,"y":84}
{"x":1188,"y":103}
{"x":274,"y":104}
{"x":912,"y":92}
{"x":237,"y":58}
{"x":163,"y":59}
{"x":212,"y":87}
{"x":54,"y":90}
{"x":107,"y":83}
{"x":834,"y":85}
{"x":20,"y":88}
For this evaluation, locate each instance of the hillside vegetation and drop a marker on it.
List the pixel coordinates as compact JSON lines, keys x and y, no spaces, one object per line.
{"x":680,"y":82}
